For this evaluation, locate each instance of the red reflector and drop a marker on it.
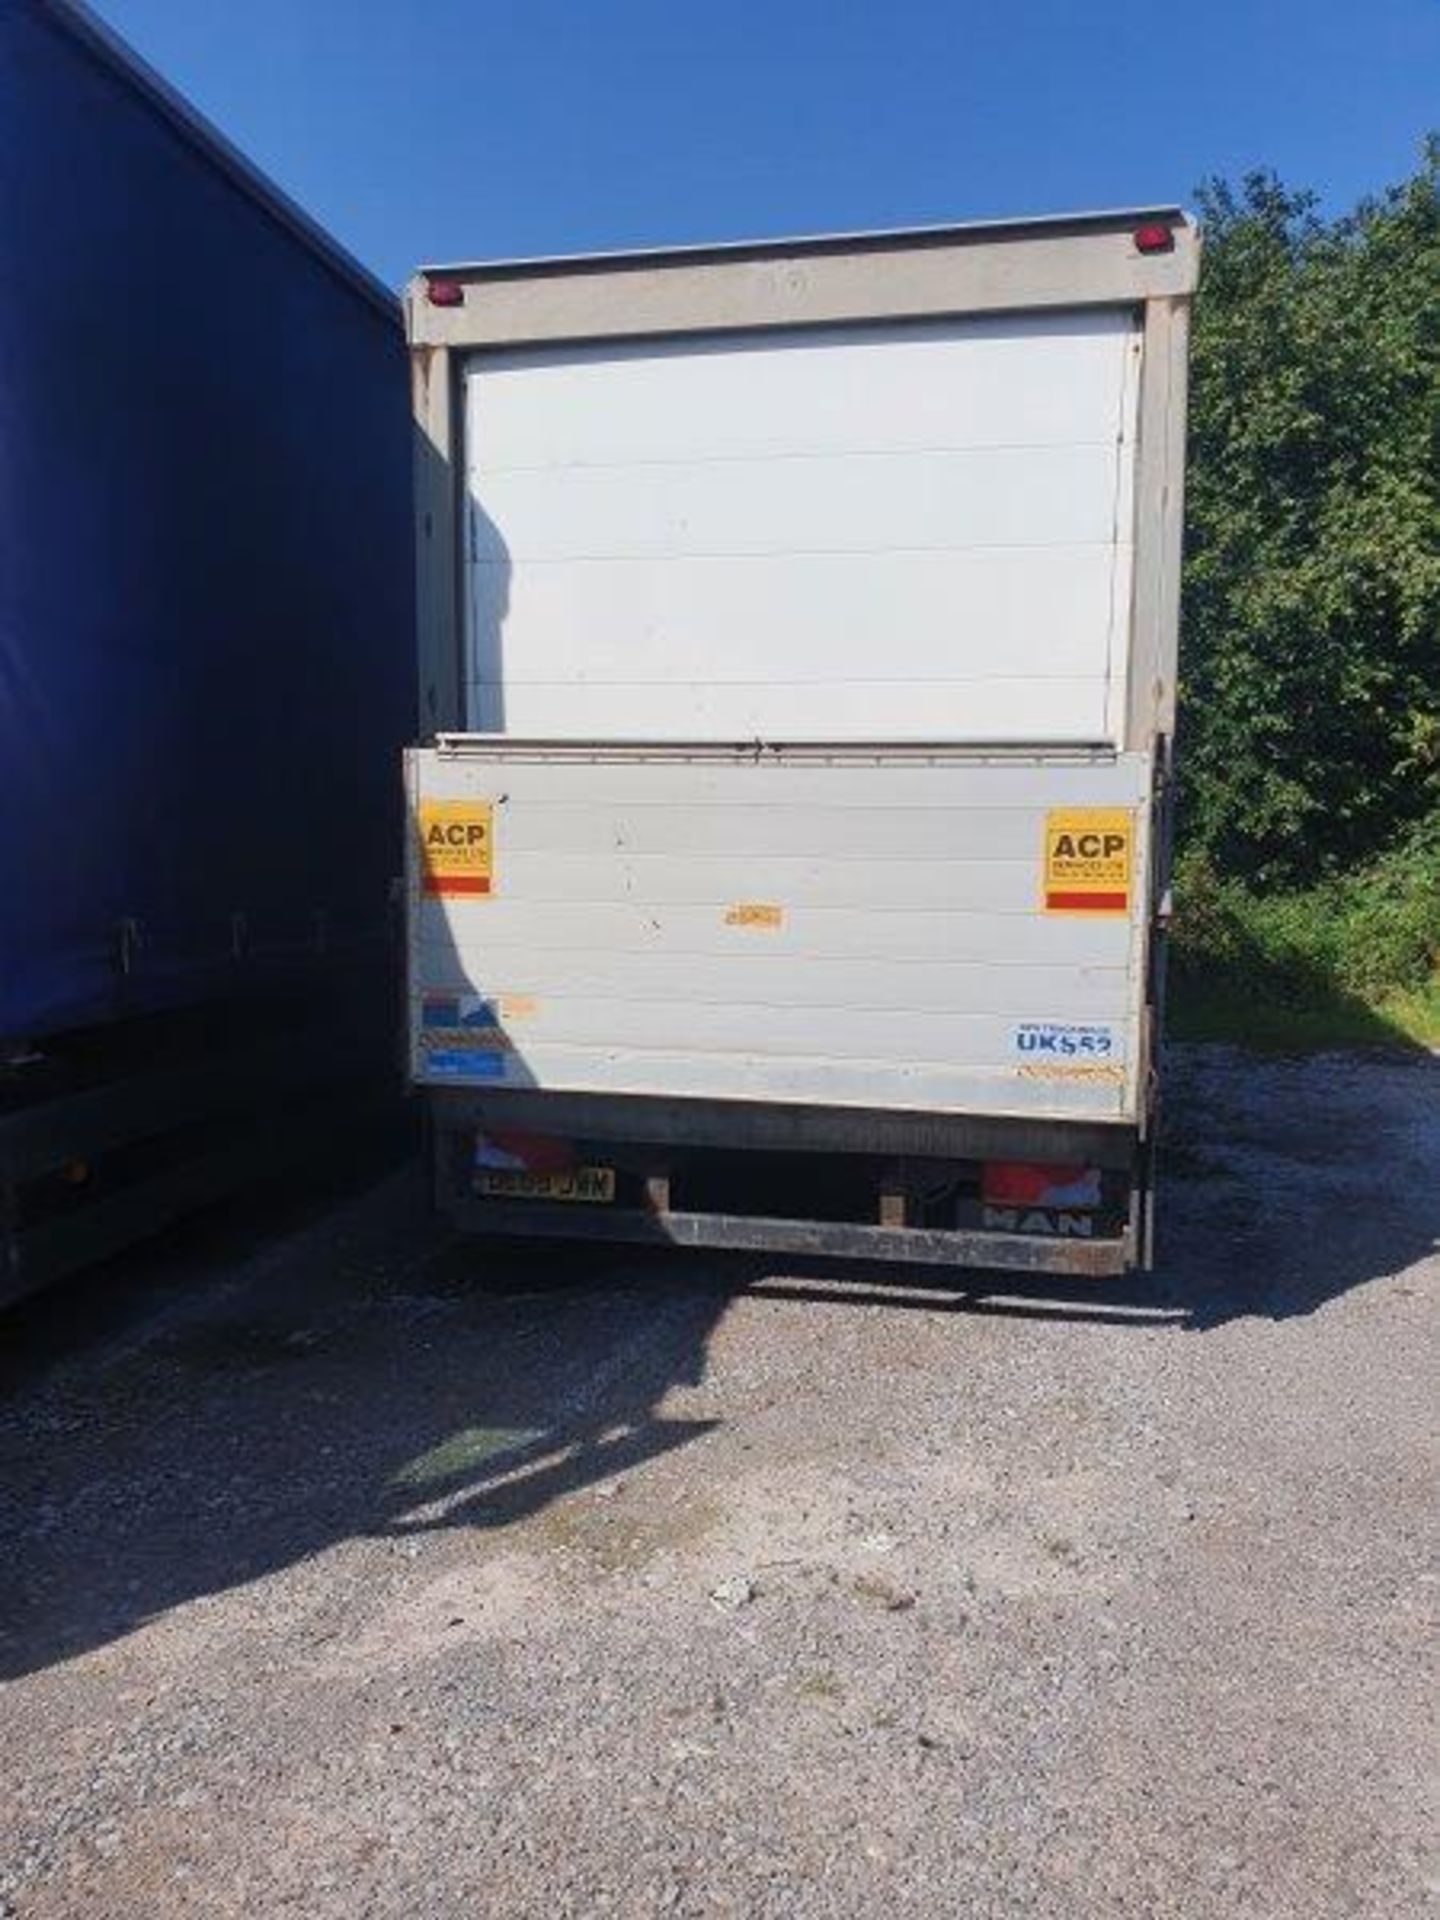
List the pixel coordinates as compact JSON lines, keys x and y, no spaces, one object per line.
{"x":509,"y":1150}
{"x":445,"y":293}
{"x":1039,"y":1183}
{"x":1154,"y":237}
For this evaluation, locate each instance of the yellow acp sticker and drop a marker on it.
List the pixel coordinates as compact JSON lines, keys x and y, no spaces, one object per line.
{"x":1089,"y":859}
{"x":456,"y":846}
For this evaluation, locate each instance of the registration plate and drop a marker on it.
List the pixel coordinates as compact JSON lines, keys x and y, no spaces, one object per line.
{"x":580,"y":1183}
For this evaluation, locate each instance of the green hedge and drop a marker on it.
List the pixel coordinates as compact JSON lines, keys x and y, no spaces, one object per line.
{"x":1370,"y":934}
{"x":1310,"y":655}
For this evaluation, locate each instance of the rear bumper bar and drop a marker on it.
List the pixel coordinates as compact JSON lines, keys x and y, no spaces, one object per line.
{"x":929,"y":1246}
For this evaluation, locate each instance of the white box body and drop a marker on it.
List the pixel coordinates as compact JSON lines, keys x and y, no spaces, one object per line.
{"x":794,"y":617}
{"x":828,"y":930}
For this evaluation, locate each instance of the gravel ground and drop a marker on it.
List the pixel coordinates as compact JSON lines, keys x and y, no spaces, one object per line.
{"x":340,"y":1584}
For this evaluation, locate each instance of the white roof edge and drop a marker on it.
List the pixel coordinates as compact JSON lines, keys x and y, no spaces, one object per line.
{"x":878,"y":237}
{"x":77,"y":19}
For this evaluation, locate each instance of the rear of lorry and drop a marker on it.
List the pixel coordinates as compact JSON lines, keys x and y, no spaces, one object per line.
{"x":797,"y":646}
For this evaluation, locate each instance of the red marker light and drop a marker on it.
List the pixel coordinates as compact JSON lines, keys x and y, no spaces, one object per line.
{"x":445,"y":293}
{"x":1154,"y":237}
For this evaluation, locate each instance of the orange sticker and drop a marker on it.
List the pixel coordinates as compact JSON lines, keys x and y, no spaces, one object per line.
{"x":754,"y":913}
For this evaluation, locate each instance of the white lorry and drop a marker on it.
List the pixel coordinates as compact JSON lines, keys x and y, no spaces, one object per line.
{"x":797,"y":647}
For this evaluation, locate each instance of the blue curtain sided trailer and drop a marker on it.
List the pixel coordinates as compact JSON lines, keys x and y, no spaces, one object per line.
{"x":206,"y":645}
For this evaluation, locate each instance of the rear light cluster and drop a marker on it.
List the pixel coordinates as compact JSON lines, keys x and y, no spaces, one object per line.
{"x":1154,"y":237}
{"x":445,"y":293}
{"x":509,"y":1150}
{"x":1039,"y":1183}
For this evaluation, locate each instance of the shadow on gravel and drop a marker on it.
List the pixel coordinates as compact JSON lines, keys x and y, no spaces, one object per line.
{"x":1289,"y":1182}
{"x":368,"y":1383}
{"x":584,"y":1347}
{"x":1285,"y":1183}
{"x":996,"y":1296}
{"x":360,"y":1379}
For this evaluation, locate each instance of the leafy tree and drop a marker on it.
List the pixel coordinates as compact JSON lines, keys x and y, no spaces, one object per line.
{"x":1310,"y":665}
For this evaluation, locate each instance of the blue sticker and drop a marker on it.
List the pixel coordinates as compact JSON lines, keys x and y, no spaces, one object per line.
{"x":466,"y":1063}
{"x":457,"y":1010}
{"x":1058,"y":1040}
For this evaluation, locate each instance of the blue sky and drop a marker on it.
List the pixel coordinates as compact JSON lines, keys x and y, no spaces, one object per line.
{"x":432,"y":130}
